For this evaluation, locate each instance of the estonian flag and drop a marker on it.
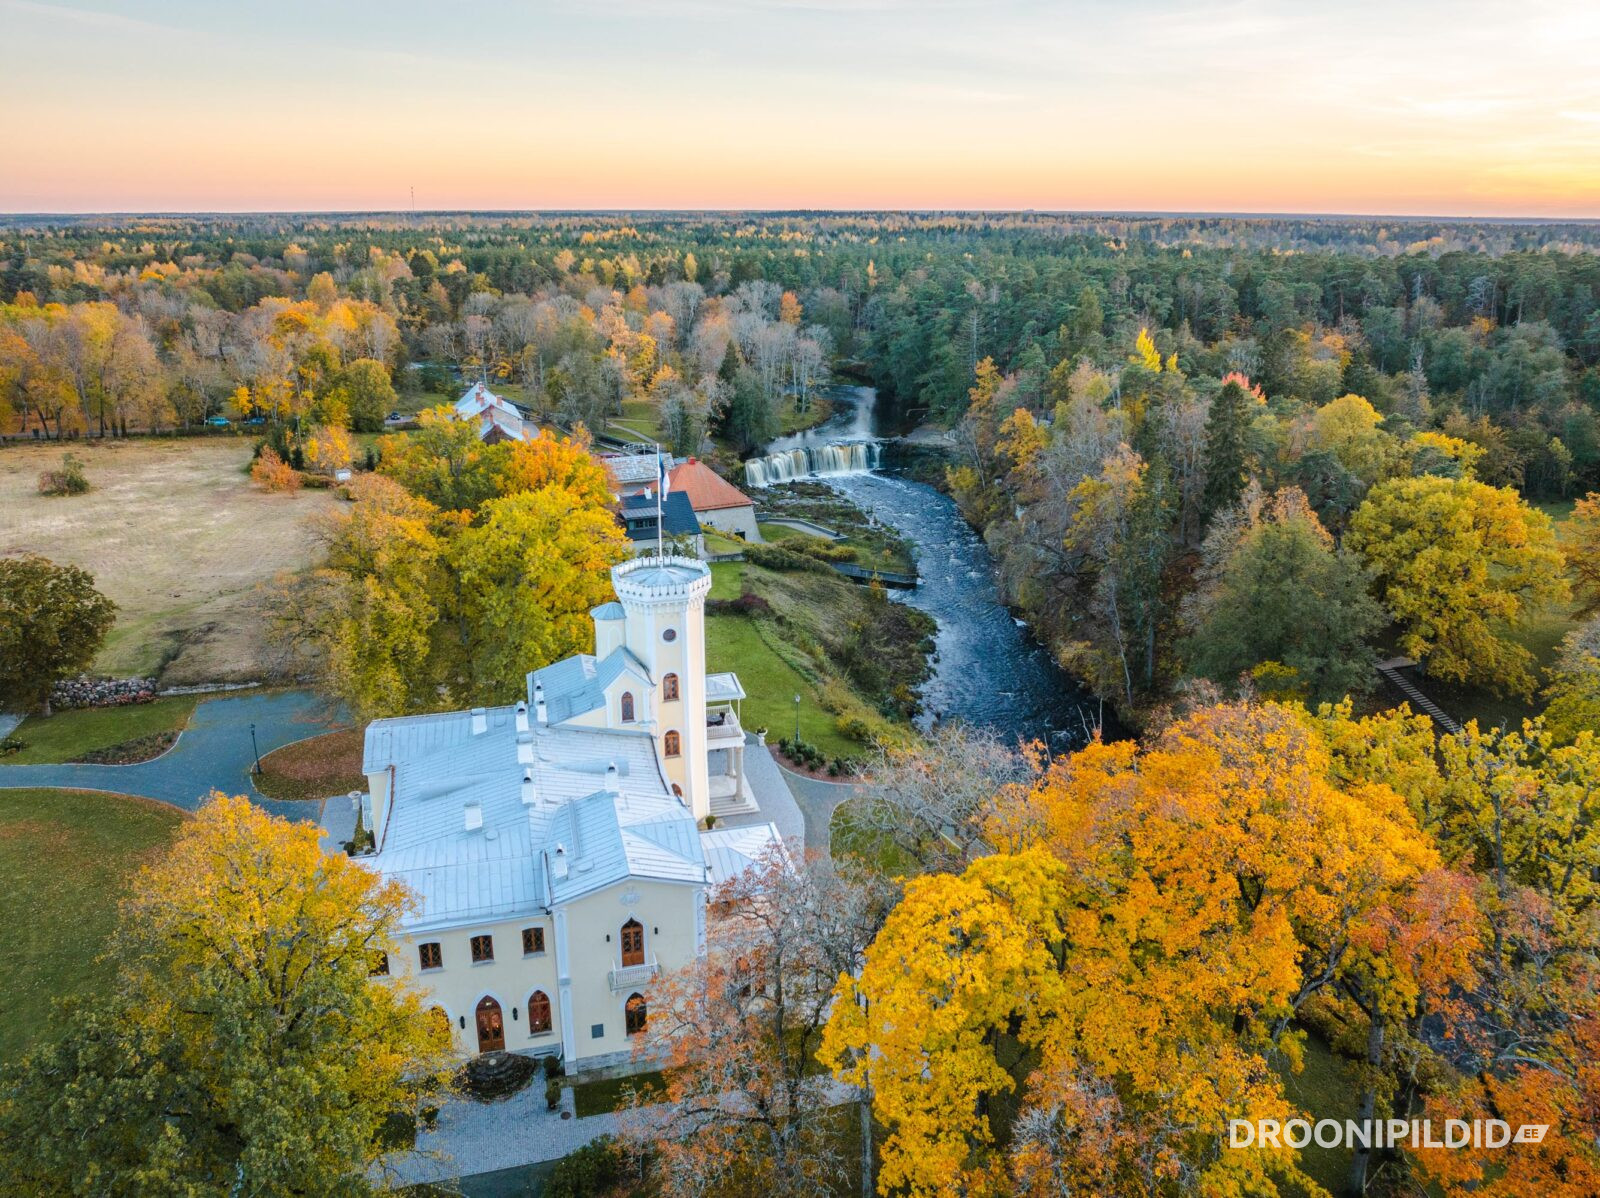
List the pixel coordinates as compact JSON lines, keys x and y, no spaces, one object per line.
{"x":663,"y":461}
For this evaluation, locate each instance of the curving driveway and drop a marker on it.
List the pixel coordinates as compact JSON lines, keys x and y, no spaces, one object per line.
{"x":212,"y":753}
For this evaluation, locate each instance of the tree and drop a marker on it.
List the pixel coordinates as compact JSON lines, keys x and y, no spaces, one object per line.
{"x":52,"y":623}
{"x":1227,"y":428}
{"x":1285,"y":594}
{"x":445,"y":461}
{"x":1583,"y":552}
{"x":528,"y":574}
{"x":367,"y":394}
{"x":1574,"y":689}
{"x":1125,"y":961}
{"x":1455,"y":560}
{"x":744,"y":1109}
{"x":933,"y":802}
{"x":243,"y":1047}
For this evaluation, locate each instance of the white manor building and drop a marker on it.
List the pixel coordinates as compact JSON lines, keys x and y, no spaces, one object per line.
{"x":557,"y":848}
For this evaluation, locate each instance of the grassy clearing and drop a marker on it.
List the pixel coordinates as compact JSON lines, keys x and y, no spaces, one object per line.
{"x":67,"y":856}
{"x":175,"y":533}
{"x":876,"y":546}
{"x":611,"y":1094}
{"x":792,"y":420}
{"x":319,"y":767}
{"x":735,"y":643}
{"x":68,"y":735}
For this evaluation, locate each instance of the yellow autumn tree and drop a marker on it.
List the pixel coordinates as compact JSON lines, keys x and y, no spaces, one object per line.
{"x":1460,"y":564}
{"x":243,"y":1045}
{"x":1106,"y":988}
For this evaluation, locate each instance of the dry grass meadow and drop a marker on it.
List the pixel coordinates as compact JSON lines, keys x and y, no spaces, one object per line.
{"x":177,"y":535}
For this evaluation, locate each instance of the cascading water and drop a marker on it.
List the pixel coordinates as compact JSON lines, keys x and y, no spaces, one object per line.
{"x":845,"y":444}
{"x":831,"y":458}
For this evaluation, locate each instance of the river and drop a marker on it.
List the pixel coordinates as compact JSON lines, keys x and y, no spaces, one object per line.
{"x":989,"y":670}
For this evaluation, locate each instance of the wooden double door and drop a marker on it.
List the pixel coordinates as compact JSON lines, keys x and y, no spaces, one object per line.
{"x":491,"y":1026}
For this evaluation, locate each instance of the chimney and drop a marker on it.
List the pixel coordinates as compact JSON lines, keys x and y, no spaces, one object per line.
{"x":540,"y":713}
{"x":525,"y":748}
{"x":527,"y":787}
{"x":611,"y":777}
{"x":522,"y":715}
{"x":480,"y":721}
{"x":558,"y":863}
{"x":472,"y":816}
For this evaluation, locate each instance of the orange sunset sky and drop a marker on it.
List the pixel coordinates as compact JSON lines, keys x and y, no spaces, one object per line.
{"x":1427,"y":107}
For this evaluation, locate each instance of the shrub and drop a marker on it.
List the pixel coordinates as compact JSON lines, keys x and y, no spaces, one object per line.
{"x":591,"y":1170}
{"x":272,"y":473}
{"x":552,"y":1092}
{"x":12,"y":744}
{"x":554,"y":1067}
{"x":68,"y":480}
{"x":775,"y":557}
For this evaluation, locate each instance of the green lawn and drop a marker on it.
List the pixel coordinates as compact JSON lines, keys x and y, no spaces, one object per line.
{"x":67,"y":735}
{"x":66,"y":857}
{"x":727,"y":580}
{"x":717,"y":542}
{"x":734,"y":643}
{"x":604,"y":1097}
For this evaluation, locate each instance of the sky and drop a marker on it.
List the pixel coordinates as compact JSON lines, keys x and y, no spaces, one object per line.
{"x":1438,"y":107}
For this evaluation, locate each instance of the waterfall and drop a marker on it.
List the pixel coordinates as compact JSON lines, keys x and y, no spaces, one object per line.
{"x":835,"y":457}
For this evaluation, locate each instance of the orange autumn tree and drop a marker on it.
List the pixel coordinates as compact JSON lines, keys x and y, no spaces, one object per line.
{"x":1096,"y":1001}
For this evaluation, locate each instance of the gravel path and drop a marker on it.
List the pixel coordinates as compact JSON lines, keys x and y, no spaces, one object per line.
{"x":213,"y":753}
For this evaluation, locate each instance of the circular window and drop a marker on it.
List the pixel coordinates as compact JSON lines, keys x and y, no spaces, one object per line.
{"x":670,"y":635}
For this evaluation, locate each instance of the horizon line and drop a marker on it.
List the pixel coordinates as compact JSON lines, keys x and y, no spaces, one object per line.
{"x":625,"y":210}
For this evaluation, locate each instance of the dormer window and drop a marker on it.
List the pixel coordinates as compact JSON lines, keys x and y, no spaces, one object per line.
{"x":669,"y":687}
{"x":627,"y":707}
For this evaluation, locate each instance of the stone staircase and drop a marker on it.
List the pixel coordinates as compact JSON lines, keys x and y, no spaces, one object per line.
{"x":1390,"y":671}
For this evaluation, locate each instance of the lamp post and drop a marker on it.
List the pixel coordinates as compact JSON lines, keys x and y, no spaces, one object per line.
{"x":254,"y":748}
{"x":797,"y":719}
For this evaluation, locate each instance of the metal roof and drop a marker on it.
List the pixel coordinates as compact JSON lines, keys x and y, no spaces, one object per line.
{"x":578,"y":684}
{"x":461,"y":836}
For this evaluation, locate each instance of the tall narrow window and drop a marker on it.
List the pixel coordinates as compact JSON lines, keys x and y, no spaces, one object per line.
{"x":430,"y":956}
{"x":669,"y":687}
{"x":482,"y":949}
{"x":627,"y":707}
{"x":674,"y":744}
{"x":632,"y":943}
{"x":636,"y":1014}
{"x":532,"y":941}
{"x":538,"y":1012}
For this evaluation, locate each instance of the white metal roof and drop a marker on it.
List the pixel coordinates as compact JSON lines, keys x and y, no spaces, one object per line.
{"x":731,"y":851}
{"x":608,"y":826}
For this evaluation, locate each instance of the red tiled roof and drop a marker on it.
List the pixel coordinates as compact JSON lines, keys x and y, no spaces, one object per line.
{"x":706,"y":489}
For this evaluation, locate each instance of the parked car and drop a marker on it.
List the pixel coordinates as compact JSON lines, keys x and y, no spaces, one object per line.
{"x":393,"y":418}
{"x":218,"y":422}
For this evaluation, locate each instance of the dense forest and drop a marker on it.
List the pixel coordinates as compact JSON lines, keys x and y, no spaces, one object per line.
{"x":1198,"y":446}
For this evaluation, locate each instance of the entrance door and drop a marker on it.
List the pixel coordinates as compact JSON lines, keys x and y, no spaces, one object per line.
{"x":491,"y":1026}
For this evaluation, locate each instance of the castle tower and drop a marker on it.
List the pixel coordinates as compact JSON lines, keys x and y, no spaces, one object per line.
{"x":663,"y":601}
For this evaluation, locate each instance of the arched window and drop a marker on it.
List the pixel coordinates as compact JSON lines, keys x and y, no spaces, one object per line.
{"x":637,"y":1013}
{"x":674,"y":744}
{"x":441,"y":1023}
{"x":627,"y":707}
{"x":538,"y":1012}
{"x":632,"y":943}
{"x":669,"y":687}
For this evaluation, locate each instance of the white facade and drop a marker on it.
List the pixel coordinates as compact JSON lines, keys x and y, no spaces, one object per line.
{"x":554,"y":847}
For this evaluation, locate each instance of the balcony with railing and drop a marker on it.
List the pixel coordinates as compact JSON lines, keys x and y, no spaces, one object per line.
{"x":722,"y":727}
{"x":631,"y":977}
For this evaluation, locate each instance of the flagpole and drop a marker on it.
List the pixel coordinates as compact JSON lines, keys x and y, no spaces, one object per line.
{"x":661,"y":532}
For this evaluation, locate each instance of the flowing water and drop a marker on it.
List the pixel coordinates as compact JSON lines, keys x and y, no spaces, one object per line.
{"x":989,"y":672}
{"x":846,"y":443}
